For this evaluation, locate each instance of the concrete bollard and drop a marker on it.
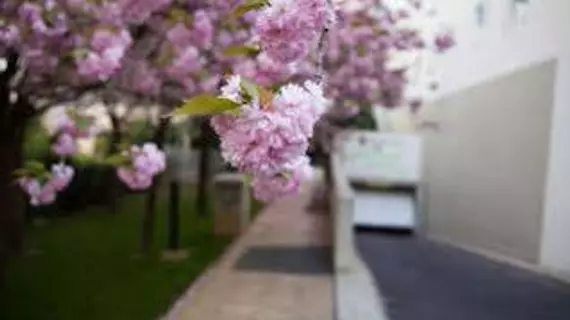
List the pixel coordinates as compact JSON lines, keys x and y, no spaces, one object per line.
{"x":232,"y":204}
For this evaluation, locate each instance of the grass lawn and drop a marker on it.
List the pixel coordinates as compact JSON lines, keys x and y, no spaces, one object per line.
{"x":84,"y":266}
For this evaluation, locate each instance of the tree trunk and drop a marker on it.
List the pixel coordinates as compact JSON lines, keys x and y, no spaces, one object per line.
{"x":206,"y":142}
{"x":149,"y":218}
{"x":14,"y":116}
{"x":12,"y":216}
{"x":112,"y":192}
{"x":174,"y":215}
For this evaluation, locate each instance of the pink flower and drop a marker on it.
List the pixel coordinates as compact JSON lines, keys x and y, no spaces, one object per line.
{"x":108,"y":49}
{"x":104,"y":39}
{"x":444,"y":42}
{"x":64,"y":124}
{"x":187,"y":62}
{"x":73,"y":126}
{"x":232,"y":89}
{"x":262,"y":142}
{"x":133,"y":179}
{"x":316,"y":12}
{"x":286,"y":29}
{"x":271,"y":188}
{"x":303,"y":104}
{"x":140,"y":10}
{"x":9,"y":35}
{"x":284,"y":48}
{"x":62,"y":176}
{"x":179,"y":36}
{"x":149,"y":160}
{"x":210,"y":84}
{"x":203,"y":29}
{"x":99,"y":66}
{"x":30,"y":185}
{"x":269,"y":142}
{"x":39,"y":195}
{"x":269,"y":72}
{"x":222,"y":123}
{"x":144,"y":79}
{"x":107,"y":13}
{"x":65,"y":145}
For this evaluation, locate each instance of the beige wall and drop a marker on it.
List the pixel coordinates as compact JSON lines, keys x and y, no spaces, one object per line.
{"x":486,"y":167}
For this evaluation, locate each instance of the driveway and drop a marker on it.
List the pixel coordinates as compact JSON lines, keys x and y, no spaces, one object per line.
{"x":423,"y":280}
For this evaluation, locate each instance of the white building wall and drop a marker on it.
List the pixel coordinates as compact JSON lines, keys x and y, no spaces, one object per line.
{"x":503,"y":45}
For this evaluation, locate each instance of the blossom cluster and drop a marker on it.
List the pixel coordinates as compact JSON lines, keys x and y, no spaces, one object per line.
{"x":288,"y":28}
{"x":107,"y":49}
{"x":43,"y":190}
{"x":43,"y":186}
{"x":269,"y":137}
{"x":70,"y":127}
{"x":144,"y":164}
{"x":384,"y":48}
{"x":147,"y":47}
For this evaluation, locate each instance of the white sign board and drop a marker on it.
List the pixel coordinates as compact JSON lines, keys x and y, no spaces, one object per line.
{"x":384,"y":157}
{"x":373,"y":209}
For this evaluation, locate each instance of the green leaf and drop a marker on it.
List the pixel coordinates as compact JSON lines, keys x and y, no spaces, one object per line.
{"x":44,"y":177}
{"x":181,"y":16}
{"x":124,"y":145}
{"x":83,"y":123}
{"x":233,"y":112}
{"x":205,"y":105}
{"x":242,"y":51}
{"x":117,"y":160}
{"x":22,"y":172}
{"x":80,"y":54}
{"x":249,"y":90}
{"x":35,"y":168}
{"x":249,"y":6}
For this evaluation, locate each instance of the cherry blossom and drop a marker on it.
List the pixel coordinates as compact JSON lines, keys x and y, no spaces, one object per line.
{"x":271,"y":188}
{"x":62,"y":175}
{"x":145,"y":163}
{"x":65,"y":145}
{"x":134,"y":179}
{"x":39,"y":194}
{"x":269,"y":139}
{"x":44,"y":191}
{"x":288,"y":29}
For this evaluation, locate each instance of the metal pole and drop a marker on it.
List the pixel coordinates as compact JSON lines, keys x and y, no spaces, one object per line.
{"x":174,"y":216}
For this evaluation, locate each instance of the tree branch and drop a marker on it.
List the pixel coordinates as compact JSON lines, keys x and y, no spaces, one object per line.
{"x":320,"y":76}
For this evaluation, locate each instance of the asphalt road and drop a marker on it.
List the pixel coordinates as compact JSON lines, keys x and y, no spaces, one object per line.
{"x":423,"y":280}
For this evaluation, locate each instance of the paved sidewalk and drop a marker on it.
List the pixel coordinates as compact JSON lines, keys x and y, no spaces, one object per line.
{"x":284,"y":278}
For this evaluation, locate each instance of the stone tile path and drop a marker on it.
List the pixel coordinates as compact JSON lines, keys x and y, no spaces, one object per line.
{"x":227,"y":292}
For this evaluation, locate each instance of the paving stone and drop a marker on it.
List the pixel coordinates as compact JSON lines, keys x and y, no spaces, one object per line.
{"x":227,"y":292}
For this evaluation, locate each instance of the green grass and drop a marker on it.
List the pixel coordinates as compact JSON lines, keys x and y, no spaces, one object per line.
{"x":85,"y":269}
